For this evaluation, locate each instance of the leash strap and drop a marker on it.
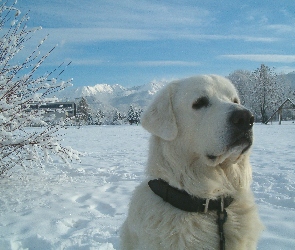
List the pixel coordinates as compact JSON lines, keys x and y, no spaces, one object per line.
{"x":222,"y":217}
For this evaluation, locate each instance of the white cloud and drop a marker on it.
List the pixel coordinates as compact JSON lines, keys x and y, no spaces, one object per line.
{"x":63,"y":36}
{"x":164,"y":63}
{"x":89,"y":62}
{"x":84,"y":35}
{"x":119,"y":14}
{"x":130,"y":20}
{"x":86,"y":61}
{"x":275,"y":58}
{"x":230,"y":37}
{"x":281,"y":28}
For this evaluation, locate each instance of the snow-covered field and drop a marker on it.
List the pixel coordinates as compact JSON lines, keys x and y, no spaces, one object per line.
{"x":83,"y":207}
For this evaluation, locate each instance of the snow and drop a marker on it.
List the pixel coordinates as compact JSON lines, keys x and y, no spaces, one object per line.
{"x":83,"y":206}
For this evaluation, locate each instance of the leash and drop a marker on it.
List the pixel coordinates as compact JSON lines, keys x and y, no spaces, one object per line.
{"x":186,"y":202}
{"x":222,"y":217}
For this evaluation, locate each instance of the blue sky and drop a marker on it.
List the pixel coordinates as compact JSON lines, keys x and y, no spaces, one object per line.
{"x":133,"y":42}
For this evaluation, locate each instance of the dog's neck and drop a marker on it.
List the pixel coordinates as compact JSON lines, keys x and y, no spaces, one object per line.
{"x":186,"y":202}
{"x":188,"y":173}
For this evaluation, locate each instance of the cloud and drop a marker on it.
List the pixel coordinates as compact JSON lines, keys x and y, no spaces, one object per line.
{"x":164,"y":63}
{"x":281,"y":28}
{"x":275,"y":58}
{"x":86,"y":35}
{"x":63,"y":36}
{"x":87,"y":62}
{"x":95,"y":62}
{"x":118,"y":14}
{"x":132,"y":21}
{"x":230,"y":37}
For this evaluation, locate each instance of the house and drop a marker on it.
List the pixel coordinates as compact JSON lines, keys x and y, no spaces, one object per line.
{"x":287,"y":104}
{"x":58,"y":109}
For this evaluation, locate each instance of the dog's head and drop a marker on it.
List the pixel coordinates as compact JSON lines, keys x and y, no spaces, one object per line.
{"x":204,"y":116}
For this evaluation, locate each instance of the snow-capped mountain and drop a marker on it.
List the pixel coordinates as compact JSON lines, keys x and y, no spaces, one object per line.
{"x":100,"y":90}
{"x":107,"y":97}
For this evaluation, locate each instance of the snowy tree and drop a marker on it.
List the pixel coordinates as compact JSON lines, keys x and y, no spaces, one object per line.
{"x":133,"y":115}
{"x":242,"y":81}
{"x":261,"y":91}
{"x":138,"y":113}
{"x":117,"y":118}
{"x":269,"y":91}
{"x":90,"y":119}
{"x":99,"y":117}
{"x":82,"y":111}
{"x":20,"y":147}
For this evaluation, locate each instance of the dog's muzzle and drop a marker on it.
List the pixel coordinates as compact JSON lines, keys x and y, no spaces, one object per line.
{"x":239,"y":132}
{"x":241,"y":122}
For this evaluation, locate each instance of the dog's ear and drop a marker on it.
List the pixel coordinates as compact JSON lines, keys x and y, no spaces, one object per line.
{"x":159,"y":117}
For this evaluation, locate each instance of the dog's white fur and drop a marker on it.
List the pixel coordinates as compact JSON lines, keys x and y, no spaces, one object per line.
{"x":182,"y":138}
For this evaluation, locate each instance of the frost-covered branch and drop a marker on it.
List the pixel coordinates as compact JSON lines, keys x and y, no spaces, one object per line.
{"x":19,"y":146}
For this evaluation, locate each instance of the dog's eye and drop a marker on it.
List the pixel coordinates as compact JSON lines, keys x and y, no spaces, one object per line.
{"x":201,"y":103}
{"x":236,"y":101}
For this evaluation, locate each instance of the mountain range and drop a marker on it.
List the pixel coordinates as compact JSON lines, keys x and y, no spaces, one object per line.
{"x":109,"y":97}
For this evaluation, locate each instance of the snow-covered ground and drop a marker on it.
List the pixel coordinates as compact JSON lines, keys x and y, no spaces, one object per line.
{"x":83,"y":207}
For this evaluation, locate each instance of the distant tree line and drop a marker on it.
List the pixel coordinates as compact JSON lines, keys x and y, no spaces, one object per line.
{"x":87,"y":116}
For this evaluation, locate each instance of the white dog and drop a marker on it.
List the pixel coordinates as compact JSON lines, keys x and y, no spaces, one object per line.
{"x":197,"y":192}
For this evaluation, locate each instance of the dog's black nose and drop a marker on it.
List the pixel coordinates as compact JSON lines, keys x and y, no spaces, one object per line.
{"x":242,"y":119}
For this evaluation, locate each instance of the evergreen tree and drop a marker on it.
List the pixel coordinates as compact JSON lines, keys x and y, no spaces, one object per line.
{"x":99,"y":117}
{"x":82,"y":110}
{"x":131,"y":115}
{"x":117,"y":118}
{"x":90,"y":119}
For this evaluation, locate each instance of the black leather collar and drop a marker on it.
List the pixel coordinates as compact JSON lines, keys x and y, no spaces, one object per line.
{"x":184,"y":201}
